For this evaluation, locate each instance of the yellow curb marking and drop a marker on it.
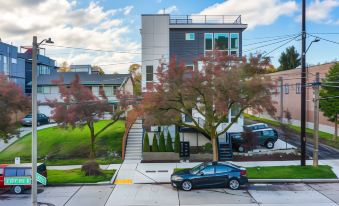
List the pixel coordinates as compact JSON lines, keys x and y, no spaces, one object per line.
{"x":123,"y":182}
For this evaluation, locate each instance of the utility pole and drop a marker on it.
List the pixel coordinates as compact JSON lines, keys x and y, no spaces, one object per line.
{"x":303,"y":87}
{"x":316,"y":121}
{"x":34,"y":121}
{"x":281,"y":99}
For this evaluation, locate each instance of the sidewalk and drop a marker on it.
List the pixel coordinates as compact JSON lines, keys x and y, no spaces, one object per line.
{"x":71,"y":167}
{"x":23,"y":132}
{"x":136,"y":172}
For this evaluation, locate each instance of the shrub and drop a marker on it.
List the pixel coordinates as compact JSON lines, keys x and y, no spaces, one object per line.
{"x":155,"y":147}
{"x":177,"y":142}
{"x":169,"y":146}
{"x":91,"y":168}
{"x":146,"y":143}
{"x":162,"y":145}
{"x":208,"y":148}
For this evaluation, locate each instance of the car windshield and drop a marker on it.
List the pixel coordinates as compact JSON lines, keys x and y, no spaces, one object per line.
{"x":197,"y":168}
{"x":28,"y":116}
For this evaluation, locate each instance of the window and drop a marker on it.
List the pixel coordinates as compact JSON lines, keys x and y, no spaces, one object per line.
{"x":234,"y":111}
{"x":188,"y":72}
{"x":268,"y":133}
{"x":189,"y":36}
{"x":14,"y":61}
{"x":297,"y":88}
{"x":209,"y":170}
{"x":109,"y":91}
{"x":95,"y":90}
{"x":149,"y":73}
{"x":234,"y":41}
{"x":187,"y":117}
{"x":286,"y":88}
{"x":20,"y":172}
{"x":222,"y":169}
{"x":28,"y":172}
{"x":221,"y":41}
{"x":10,"y":172}
{"x":6,"y":68}
{"x":208,"y":41}
{"x":44,"y":90}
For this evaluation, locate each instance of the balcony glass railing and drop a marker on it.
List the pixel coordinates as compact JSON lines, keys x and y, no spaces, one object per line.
{"x":205,"y":19}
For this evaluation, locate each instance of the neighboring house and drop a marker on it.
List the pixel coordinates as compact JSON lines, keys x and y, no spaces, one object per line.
{"x":47,"y":89}
{"x":45,"y":65}
{"x":11,"y":65}
{"x":187,"y":37}
{"x":291,"y":96}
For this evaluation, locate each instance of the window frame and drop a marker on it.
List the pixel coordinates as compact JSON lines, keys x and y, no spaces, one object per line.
{"x":148,"y":73}
{"x":297,"y":88}
{"x":205,"y":34}
{"x":189,"y":36}
{"x":237,"y":44}
{"x":286,"y":88}
{"x":209,"y":166}
{"x":228,"y":41}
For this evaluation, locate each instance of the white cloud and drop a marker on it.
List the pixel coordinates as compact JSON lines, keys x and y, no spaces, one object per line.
{"x":254,"y":13}
{"x":89,"y":27}
{"x":319,"y":11}
{"x":168,"y":10}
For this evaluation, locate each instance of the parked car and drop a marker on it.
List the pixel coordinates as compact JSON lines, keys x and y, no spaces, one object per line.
{"x":210,"y":174}
{"x":265,"y":137}
{"x":18,"y":170}
{"x":256,"y":126}
{"x":41,"y":119}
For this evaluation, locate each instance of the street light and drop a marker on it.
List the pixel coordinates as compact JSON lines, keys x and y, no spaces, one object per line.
{"x":34,"y":116}
{"x":314,"y":41}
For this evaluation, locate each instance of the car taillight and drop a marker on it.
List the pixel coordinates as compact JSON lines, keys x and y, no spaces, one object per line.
{"x":243,"y":172}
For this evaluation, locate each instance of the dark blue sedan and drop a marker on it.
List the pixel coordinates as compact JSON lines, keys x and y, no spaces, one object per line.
{"x":210,"y":174}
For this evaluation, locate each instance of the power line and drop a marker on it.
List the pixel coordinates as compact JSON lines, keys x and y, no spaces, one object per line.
{"x":281,"y":45}
{"x":272,"y":43}
{"x":266,"y":41}
{"x":269,"y":37}
{"x":334,"y":42}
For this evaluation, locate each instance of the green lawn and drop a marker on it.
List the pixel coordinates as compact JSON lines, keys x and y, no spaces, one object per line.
{"x":325,"y":138}
{"x":77,"y":176}
{"x":288,"y":172}
{"x":67,"y":146}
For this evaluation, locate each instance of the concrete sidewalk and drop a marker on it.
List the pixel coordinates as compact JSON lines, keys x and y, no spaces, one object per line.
{"x":70,"y":167}
{"x":136,"y":172}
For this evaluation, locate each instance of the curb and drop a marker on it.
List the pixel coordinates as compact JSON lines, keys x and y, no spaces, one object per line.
{"x":293,"y":180}
{"x":79,"y":184}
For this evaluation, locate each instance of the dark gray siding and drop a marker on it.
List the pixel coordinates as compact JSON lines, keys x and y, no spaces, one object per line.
{"x":188,"y":51}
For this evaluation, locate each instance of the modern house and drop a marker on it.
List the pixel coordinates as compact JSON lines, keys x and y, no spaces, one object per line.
{"x":45,"y":65}
{"x":185,"y":37}
{"x":289,"y":98}
{"x":12,"y":65}
{"x":48,"y":89}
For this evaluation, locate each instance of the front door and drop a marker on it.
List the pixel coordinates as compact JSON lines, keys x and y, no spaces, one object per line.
{"x":206,"y":177}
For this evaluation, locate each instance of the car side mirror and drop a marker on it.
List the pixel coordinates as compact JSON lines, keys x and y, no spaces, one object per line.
{"x":201,"y":174}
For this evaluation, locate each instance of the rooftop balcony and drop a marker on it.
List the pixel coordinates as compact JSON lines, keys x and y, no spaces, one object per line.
{"x":205,"y":19}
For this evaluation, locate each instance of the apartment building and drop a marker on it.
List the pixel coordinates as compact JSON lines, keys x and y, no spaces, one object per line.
{"x":12,"y":65}
{"x":290,"y":99}
{"x":187,"y":37}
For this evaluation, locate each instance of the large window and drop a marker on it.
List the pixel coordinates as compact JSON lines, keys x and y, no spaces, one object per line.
{"x":149,"y":73}
{"x":6,"y":66}
{"x":297,"y":89}
{"x":109,"y":91}
{"x":189,"y":36}
{"x":286,"y":89}
{"x":43,"y":69}
{"x":234,"y":44}
{"x":95,"y":90}
{"x":208,"y":41}
{"x":221,"y":41}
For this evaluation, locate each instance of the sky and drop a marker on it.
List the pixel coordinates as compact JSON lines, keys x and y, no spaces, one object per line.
{"x":113,"y":27}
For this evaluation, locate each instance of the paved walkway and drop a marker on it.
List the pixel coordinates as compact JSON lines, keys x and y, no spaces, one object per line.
{"x":136,"y":172}
{"x":23,"y":132}
{"x":70,"y":167}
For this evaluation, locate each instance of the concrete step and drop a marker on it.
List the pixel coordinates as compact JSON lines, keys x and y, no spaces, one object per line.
{"x":136,"y":126}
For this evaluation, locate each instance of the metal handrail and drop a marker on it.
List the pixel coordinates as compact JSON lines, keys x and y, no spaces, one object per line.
{"x":205,"y":19}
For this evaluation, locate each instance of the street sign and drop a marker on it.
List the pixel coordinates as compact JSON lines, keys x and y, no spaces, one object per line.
{"x":18,"y":181}
{"x":41,"y":179}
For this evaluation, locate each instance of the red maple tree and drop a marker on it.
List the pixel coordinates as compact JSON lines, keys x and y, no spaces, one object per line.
{"x":12,"y":100}
{"x":206,"y":95}
{"x":79,"y":107}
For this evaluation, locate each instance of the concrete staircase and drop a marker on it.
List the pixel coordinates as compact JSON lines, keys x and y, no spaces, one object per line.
{"x":134,"y":141}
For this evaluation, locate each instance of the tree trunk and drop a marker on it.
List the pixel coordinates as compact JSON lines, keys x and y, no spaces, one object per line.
{"x":92,"y":153}
{"x":215,"y":147}
{"x":335,"y":130}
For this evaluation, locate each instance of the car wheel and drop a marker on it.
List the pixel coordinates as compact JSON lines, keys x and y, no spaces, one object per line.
{"x":186,"y":185}
{"x":234,"y":184}
{"x":17,"y":189}
{"x":241,"y":149}
{"x":269,"y":144}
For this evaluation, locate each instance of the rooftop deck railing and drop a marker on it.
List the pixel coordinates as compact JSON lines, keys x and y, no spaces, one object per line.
{"x":205,"y":19}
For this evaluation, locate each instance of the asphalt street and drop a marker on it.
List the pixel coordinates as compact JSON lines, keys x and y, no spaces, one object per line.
{"x":165,"y":195}
{"x":325,"y":152}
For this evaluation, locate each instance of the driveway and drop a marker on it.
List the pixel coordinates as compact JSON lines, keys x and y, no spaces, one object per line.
{"x":325,"y":152}
{"x":165,"y":195}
